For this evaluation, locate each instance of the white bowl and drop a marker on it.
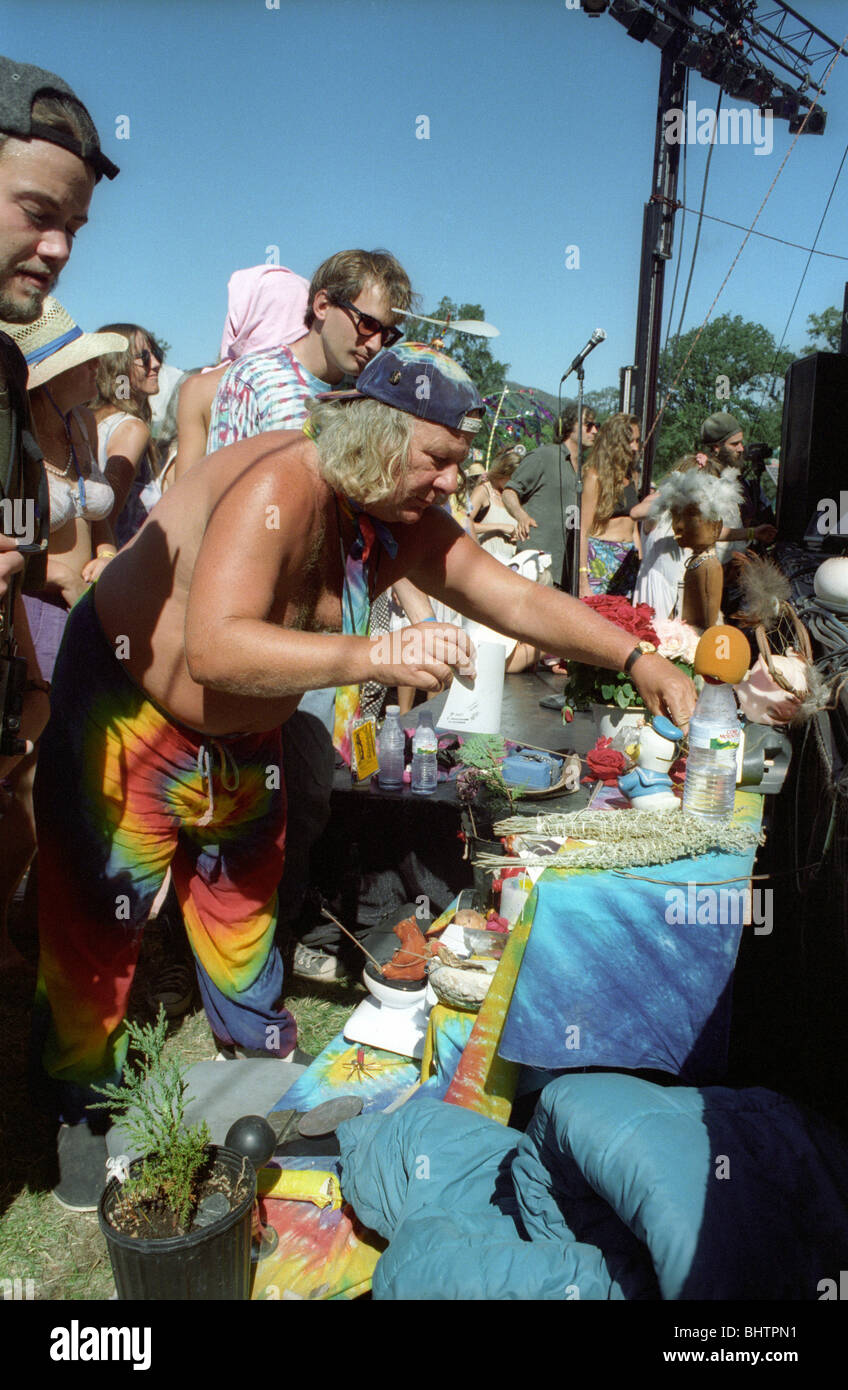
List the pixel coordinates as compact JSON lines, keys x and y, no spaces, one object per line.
{"x":387,"y":993}
{"x":831,"y":583}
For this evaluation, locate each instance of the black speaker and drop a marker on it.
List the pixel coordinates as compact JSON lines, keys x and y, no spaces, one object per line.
{"x":814,"y":445}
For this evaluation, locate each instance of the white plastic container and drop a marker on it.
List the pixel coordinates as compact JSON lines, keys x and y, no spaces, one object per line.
{"x":714,"y":737}
{"x":425,"y":751}
{"x":391,"y":746}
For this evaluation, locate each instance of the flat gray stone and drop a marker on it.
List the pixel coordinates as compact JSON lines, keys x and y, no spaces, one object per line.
{"x":221,"y":1092}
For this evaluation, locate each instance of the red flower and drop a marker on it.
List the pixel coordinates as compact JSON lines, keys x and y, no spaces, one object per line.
{"x":634,"y":618}
{"x":606,"y":762}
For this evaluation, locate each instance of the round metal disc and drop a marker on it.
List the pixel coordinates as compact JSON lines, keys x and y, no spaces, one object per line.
{"x":324,"y":1118}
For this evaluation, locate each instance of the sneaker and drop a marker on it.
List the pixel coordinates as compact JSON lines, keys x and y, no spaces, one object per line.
{"x":317,"y":965}
{"x":82,"y":1168}
{"x":230,"y":1052}
{"x":173,"y":987}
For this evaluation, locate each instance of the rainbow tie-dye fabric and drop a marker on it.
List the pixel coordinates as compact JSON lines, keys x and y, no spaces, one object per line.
{"x":121,"y":794}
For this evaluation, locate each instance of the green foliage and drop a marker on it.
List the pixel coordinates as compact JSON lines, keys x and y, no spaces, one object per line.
{"x":603,"y":402}
{"x":587,"y":685}
{"x":824,"y":331}
{"x":474,"y":354}
{"x":485,"y":753}
{"x":151,"y":1100}
{"x":735,"y":367}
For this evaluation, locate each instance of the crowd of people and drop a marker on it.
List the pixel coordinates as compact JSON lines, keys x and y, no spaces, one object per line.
{"x":205,"y":611}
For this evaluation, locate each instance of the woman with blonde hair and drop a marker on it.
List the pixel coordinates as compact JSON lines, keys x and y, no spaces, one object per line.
{"x":125,"y":382}
{"x":609,"y":537}
{"x":493,"y":526}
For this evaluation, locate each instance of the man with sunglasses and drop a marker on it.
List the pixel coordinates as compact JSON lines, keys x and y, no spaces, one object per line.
{"x":352,"y":313}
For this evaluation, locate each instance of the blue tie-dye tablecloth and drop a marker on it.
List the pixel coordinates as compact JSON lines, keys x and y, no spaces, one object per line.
{"x":624,"y":972}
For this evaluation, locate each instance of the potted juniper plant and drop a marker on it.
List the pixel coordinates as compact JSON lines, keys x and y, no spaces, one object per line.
{"x":177,"y":1221}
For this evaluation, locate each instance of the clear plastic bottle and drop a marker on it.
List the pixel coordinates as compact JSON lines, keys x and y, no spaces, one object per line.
{"x":714,"y":737}
{"x":391,"y":746}
{"x":425,"y":752}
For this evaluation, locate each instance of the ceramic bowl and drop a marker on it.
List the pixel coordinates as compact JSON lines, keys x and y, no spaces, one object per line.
{"x":395,"y":994}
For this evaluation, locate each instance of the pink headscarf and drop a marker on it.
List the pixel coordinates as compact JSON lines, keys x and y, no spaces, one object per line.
{"x":267,"y":304}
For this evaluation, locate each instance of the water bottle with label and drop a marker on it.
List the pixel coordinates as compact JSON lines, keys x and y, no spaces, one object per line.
{"x":392,"y":744}
{"x":425,"y":753}
{"x":714,"y":738}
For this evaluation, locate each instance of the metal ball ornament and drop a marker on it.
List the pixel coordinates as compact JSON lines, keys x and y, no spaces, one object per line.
{"x":253,"y":1138}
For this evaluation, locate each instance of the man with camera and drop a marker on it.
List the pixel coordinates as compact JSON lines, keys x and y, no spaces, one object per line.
{"x":50,"y":159}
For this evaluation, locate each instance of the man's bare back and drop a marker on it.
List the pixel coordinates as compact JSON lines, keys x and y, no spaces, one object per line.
{"x":143,"y":596}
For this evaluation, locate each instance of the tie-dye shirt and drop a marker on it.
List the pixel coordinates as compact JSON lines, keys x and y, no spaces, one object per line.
{"x":261,"y":391}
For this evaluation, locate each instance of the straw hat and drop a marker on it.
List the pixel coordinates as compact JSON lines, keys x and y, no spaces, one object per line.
{"x":54,"y":343}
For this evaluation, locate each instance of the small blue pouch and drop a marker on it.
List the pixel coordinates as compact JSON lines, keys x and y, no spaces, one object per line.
{"x":532,"y":769}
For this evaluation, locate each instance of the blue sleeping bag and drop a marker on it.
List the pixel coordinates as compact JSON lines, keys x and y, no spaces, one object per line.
{"x":619,"y":1189}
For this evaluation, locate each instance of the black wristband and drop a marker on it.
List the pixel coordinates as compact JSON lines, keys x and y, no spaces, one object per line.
{"x":632,"y":659}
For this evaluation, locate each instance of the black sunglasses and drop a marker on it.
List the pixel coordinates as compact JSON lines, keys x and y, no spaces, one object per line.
{"x":145,"y":357}
{"x":367,"y":326}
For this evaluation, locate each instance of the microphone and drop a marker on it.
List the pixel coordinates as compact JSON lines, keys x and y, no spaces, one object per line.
{"x":597,"y":337}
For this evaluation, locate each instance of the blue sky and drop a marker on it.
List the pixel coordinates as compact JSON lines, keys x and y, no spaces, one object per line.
{"x":295,"y":128}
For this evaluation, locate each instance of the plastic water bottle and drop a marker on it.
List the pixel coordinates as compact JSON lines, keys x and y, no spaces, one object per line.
{"x":391,"y":748}
{"x":714,"y":737}
{"x":425,"y":751}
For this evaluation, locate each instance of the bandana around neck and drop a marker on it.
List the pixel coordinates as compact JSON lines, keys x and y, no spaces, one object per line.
{"x":358,"y":566}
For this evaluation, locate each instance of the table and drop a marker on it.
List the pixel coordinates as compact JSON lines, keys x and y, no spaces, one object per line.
{"x":632,"y":992}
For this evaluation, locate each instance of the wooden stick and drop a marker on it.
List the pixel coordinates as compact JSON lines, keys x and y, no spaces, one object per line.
{"x":335,"y":920}
{"x":412,"y":954}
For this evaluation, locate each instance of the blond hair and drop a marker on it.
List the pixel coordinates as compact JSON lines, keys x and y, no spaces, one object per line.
{"x":363,"y":446}
{"x":614,"y":462}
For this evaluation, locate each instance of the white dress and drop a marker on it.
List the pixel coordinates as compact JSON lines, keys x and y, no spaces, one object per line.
{"x":661,"y":572}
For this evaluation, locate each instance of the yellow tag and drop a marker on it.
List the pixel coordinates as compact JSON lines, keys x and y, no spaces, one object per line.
{"x":363,"y":743}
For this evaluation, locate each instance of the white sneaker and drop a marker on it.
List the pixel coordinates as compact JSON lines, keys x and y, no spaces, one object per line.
{"x":317,"y":965}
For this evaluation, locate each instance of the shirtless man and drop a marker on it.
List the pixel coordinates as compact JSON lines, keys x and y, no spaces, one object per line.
{"x":242,"y":591}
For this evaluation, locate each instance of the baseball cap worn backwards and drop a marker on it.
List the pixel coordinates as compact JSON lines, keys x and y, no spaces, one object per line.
{"x":417,"y":379}
{"x":20,"y":84}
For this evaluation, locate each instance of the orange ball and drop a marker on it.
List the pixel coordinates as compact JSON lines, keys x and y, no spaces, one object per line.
{"x":723,"y":653}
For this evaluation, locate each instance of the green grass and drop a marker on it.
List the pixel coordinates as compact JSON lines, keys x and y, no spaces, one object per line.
{"x":64,"y":1254}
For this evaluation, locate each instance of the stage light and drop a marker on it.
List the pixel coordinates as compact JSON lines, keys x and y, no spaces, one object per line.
{"x":594,"y":7}
{"x":815,"y":125}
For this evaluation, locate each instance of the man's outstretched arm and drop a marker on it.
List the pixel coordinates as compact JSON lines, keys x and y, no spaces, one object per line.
{"x":451,"y":567}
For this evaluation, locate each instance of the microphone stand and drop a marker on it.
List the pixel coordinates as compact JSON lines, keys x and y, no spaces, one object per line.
{"x":575,"y":539}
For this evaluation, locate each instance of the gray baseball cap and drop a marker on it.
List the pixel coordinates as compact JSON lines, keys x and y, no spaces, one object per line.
{"x":20,"y":84}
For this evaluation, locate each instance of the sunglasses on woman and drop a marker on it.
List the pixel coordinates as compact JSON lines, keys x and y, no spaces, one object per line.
{"x":145,"y":357}
{"x":366,"y":325}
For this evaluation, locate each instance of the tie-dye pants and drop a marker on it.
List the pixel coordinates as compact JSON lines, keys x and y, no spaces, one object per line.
{"x":121,"y":793}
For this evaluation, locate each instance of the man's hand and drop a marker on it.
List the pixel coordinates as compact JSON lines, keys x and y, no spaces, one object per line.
{"x":426,"y":656}
{"x":523,"y":524}
{"x":11,"y":562}
{"x":664,"y":688}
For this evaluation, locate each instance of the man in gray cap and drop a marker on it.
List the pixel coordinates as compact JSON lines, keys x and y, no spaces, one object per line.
{"x":50,"y":159}
{"x":722,"y":437}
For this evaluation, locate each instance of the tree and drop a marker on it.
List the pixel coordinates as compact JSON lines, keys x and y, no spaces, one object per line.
{"x":826,"y":327}
{"x":474,"y":354}
{"x":736,"y":367}
{"x":603,"y":402}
